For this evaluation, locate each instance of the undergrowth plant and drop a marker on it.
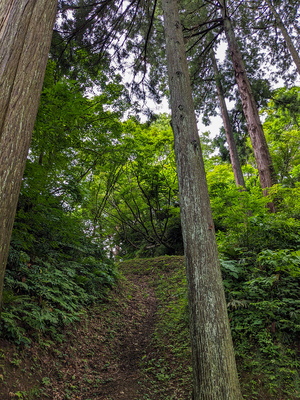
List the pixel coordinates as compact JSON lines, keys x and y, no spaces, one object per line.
{"x":260,"y":262}
{"x":54,"y":272}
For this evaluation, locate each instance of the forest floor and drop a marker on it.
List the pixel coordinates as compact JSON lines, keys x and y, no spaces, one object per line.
{"x":109,"y":355}
{"x":134,"y":346}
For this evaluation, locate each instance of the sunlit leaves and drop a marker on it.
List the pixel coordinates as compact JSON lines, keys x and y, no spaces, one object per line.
{"x":283,"y":133}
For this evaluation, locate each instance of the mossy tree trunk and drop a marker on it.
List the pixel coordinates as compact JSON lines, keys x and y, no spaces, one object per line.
{"x":214,"y":368}
{"x":234,"y":157}
{"x":25,"y":35}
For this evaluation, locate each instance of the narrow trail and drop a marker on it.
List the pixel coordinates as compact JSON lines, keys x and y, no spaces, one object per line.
{"x":102,"y":358}
{"x":99,"y":358}
{"x":134,"y":342}
{"x":132,"y":346}
{"x":112,"y":352}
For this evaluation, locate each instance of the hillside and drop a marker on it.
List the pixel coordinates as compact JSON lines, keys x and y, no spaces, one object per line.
{"x":133,"y":346}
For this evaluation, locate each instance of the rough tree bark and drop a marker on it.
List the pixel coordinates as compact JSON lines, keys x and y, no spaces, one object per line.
{"x":261,"y":151}
{"x":234,"y":157}
{"x":25,"y":35}
{"x":214,"y":369}
{"x":285,"y":34}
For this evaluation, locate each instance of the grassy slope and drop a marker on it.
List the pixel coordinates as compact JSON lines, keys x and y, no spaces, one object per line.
{"x":169,"y":368}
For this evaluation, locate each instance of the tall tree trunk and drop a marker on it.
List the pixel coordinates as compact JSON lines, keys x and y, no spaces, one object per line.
{"x":214,"y":369}
{"x":234,"y":157}
{"x":25,"y":35}
{"x":261,"y":151}
{"x":285,"y":34}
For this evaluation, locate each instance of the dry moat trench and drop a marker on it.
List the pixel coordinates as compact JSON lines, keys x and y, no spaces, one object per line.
{"x":101,"y":358}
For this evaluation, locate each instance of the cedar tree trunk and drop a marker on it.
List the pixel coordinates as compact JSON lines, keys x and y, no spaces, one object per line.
{"x":285,"y":34}
{"x":261,"y":151}
{"x":214,"y":368}
{"x":25,"y":35}
{"x":234,"y":157}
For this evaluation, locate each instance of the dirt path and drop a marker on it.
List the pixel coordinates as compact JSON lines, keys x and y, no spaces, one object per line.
{"x":100,"y":358}
{"x":134,"y":342}
{"x":111,"y":354}
{"x":103,"y":358}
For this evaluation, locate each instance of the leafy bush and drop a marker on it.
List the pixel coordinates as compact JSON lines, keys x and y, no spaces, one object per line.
{"x":260,"y":263}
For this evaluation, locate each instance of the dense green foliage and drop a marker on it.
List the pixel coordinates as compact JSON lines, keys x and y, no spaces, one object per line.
{"x":95,"y":186}
{"x":260,"y":262}
{"x":260,"y":258}
{"x":54,"y":271}
{"x":99,"y":185}
{"x":56,"y":268}
{"x":144,"y":204}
